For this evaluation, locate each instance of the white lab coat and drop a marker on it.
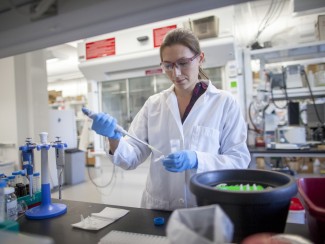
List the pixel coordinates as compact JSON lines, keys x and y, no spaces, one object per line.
{"x":214,"y":129}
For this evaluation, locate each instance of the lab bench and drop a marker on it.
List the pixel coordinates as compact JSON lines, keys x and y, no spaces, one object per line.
{"x":138,"y":220}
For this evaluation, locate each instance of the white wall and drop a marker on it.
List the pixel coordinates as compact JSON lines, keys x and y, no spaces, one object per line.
{"x":23,"y":101}
{"x":8,"y":121}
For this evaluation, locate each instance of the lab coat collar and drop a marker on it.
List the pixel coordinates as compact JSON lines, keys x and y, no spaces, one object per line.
{"x":171,"y":100}
{"x":211,"y":88}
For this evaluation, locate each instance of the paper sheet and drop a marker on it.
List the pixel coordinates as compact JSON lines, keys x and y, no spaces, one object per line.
{"x":122,"y":237}
{"x":99,"y":220}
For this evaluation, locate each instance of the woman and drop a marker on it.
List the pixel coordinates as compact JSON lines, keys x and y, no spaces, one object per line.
{"x":206,"y":121}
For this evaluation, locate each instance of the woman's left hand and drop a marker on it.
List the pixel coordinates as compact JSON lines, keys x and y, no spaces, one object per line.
{"x":180,"y":161}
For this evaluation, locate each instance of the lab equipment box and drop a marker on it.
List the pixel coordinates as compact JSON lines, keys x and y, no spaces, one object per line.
{"x":74,"y":169}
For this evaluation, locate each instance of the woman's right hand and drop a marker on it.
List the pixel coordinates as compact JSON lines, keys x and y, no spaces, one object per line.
{"x":105,"y":125}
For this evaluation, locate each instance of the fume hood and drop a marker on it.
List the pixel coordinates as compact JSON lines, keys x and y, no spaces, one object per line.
{"x":218,"y":52}
{"x":127,"y":80}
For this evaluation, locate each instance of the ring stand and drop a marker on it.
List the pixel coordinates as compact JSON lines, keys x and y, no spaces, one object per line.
{"x":47,"y":209}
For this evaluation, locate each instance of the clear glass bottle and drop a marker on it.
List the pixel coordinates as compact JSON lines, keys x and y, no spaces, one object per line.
{"x":11,"y":181}
{"x":11,"y":203}
{"x":2,"y":201}
{"x":36,"y":182}
{"x":25,"y":181}
{"x":18,"y":178}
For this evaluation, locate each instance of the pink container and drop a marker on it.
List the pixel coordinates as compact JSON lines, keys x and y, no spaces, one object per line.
{"x":312,"y":193}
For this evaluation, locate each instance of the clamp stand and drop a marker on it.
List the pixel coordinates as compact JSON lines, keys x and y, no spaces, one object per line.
{"x":47,"y":209}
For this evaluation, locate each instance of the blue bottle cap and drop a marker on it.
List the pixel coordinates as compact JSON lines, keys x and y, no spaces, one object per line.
{"x":10,"y":177}
{"x":159,"y":221}
{"x":36,"y":174}
{"x":16,"y":173}
{"x":2,"y":184}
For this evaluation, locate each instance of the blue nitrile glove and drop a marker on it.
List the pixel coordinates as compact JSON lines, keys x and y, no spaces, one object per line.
{"x":104,"y":124}
{"x":180,"y":161}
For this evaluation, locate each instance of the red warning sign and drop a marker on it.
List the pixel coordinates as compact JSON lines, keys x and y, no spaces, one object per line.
{"x":100,"y":48}
{"x":159,"y":34}
{"x":153,"y":71}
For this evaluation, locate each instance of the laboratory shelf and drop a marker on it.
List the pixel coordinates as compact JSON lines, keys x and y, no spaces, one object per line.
{"x":299,"y":93}
{"x":76,"y":102}
{"x":312,"y":50}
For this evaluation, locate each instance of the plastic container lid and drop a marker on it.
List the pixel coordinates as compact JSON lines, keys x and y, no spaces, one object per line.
{"x":9,"y":190}
{"x":36,"y":174}
{"x":159,"y":221}
{"x":295,"y":204}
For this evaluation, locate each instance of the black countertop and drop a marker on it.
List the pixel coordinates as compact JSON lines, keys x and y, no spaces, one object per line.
{"x":138,"y":220}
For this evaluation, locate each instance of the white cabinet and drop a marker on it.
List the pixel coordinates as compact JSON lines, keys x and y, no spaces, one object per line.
{"x":75,"y":104}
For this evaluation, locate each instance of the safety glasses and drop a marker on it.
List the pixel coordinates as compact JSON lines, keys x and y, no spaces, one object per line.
{"x":182,"y":63}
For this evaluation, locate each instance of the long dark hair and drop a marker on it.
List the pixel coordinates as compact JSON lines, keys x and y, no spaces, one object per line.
{"x":186,"y":38}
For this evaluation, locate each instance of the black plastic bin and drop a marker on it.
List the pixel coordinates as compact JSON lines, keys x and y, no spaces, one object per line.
{"x":250,"y":211}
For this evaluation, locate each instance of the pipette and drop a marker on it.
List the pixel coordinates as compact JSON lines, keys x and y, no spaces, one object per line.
{"x":59,"y":157}
{"x":119,"y":128}
{"x":27,"y":156}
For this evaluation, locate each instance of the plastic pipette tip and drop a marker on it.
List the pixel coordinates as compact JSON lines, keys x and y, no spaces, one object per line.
{"x":240,"y":187}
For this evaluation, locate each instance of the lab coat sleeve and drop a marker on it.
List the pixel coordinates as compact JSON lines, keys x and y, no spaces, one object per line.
{"x":130,"y":153}
{"x":233,"y":152}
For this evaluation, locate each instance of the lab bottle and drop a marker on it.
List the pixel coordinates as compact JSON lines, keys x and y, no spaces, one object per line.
{"x":17,"y":175}
{"x":11,"y":204}
{"x":316,"y":166}
{"x":25,"y":182}
{"x":20,"y":188}
{"x":36,"y":182}
{"x":6,"y":180}
{"x":11,"y":181}
{"x":2,"y":201}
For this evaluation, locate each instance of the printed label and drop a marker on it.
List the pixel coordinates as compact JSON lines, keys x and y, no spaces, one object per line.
{"x":12,"y":210}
